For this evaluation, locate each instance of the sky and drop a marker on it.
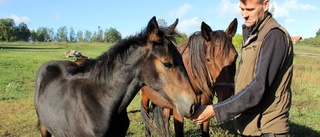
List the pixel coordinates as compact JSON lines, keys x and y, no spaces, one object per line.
{"x":299,"y":17}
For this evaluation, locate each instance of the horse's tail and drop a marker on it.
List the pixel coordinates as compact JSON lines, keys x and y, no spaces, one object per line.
{"x":150,"y":126}
{"x":159,"y":120}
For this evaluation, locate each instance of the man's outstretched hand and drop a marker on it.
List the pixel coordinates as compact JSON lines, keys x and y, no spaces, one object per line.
{"x":203,"y":114}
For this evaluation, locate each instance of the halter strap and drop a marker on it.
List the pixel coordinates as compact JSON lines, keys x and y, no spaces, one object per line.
{"x":212,"y":84}
{"x":231,"y":85}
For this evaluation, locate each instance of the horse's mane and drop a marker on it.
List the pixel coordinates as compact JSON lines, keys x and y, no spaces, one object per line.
{"x":198,"y":59}
{"x":225,"y":42}
{"x":120,"y":51}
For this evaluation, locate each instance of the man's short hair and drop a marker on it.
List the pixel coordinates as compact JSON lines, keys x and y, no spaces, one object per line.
{"x":259,"y":1}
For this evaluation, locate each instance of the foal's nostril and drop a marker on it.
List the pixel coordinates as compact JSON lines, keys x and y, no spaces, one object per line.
{"x":193,"y":109}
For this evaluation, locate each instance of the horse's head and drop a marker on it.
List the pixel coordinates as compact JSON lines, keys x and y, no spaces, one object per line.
{"x":167,"y":74}
{"x":221,"y":58}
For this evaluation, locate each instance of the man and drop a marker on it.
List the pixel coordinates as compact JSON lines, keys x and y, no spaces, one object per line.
{"x":262,"y":101}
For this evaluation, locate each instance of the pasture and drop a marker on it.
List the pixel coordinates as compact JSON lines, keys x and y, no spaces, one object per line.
{"x":20,"y":61}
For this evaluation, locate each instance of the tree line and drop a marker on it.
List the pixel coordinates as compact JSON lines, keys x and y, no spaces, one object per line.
{"x":10,"y":32}
{"x":315,"y":41}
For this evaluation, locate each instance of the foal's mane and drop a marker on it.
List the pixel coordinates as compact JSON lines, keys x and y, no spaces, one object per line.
{"x":197,"y":54}
{"x":121,"y":50}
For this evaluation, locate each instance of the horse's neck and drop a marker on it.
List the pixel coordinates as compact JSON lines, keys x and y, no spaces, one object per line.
{"x":121,"y":82}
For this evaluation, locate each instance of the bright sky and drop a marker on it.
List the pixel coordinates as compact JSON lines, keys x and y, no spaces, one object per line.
{"x":300,"y":17}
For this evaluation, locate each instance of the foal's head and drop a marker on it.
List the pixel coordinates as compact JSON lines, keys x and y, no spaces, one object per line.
{"x":163,"y":69}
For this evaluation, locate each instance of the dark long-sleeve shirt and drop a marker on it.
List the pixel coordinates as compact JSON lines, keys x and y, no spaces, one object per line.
{"x":270,"y":59}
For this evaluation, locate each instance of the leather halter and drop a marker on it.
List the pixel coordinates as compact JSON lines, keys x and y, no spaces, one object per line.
{"x":212,"y":84}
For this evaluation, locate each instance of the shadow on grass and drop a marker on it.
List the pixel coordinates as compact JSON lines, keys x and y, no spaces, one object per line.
{"x":302,"y":131}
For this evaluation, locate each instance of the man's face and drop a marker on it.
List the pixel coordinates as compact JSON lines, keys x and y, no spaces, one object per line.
{"x":253,"y":12}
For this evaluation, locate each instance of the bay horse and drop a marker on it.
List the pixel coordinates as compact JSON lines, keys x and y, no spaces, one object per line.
{"x":210,"y":59}
{"x":90,"y":99}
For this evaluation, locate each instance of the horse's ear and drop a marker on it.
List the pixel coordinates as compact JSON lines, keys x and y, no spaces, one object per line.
{"x":232,"y":28}
{"x":206,"y":31}
{"x":153,"y":30}
{"x":174,"y":25}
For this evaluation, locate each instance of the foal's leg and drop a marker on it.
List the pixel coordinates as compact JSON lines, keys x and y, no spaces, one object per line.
{"x":178,"y":124}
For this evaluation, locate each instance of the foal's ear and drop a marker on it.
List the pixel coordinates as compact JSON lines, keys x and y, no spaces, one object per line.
{"x":206,"y":31}
{"x":232,"y":28}
{"x":153,"y":30}
{"x":174,"y":25}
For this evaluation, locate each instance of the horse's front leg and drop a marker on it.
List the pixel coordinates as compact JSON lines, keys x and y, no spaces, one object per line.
{"x":178,"y":124}
{"x":205,"y":129}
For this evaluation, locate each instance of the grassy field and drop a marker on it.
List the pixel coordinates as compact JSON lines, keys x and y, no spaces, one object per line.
{"x":20,"y":61}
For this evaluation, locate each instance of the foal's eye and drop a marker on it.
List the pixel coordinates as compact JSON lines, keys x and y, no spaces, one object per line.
{"x":168,"y":64}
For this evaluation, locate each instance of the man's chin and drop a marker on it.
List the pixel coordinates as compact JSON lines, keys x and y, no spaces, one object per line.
{"x":248,"y":24}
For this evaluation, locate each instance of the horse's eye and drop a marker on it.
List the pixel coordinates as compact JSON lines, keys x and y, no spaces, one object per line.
{"x":168,"y":64}
{"x":209,"y":61}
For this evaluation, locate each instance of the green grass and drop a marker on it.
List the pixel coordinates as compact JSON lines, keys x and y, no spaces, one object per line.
{"x":20,"y":61}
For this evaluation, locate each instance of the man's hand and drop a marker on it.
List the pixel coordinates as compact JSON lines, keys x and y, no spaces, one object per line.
{"x":203,"y":114}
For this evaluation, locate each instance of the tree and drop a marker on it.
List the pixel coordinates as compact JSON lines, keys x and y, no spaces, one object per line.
{"x":8,"y":30}
{"x":24,"y":32}
{"x":237,"y":41}
{"x":113,"y":35}
{"x":87,"y":36}
{"x":162,"y":22}
{"x":50,"y":34}
{"x":105,"y":35}
{"x":100,"y":35}
{"x":80,"y":36}
{"x":318,"y":33}
{"x":72,"y":36}
{"x":183,"y":38}
{"x":42,"y":34}
{"x":94,"y":37}
{"x":33,"y":36}
{"x":62,"y":34}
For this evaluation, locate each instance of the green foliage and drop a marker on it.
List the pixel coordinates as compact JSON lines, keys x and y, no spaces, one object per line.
{"x":62,"y":34}
{"x":72,"y":35}
{"x":183,"y":38}
{"x":80,"y":36}
{"x":87,"y":36}
{"x":100,"y":35}
{"x":24,"y":32}
{"x":9,"y":32}
{"x":237,"y":41}
{"x":311,"y":41}
{"x":42,"y":34}
{"x":318,"y":33}
{"x":94,"y":37}
{"x":112,"y":35}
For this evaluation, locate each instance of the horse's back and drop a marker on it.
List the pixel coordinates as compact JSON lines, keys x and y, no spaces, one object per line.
{"x":49,"y":77}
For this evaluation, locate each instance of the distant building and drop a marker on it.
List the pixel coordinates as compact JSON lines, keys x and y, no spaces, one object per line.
{"x":296,"y":38}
